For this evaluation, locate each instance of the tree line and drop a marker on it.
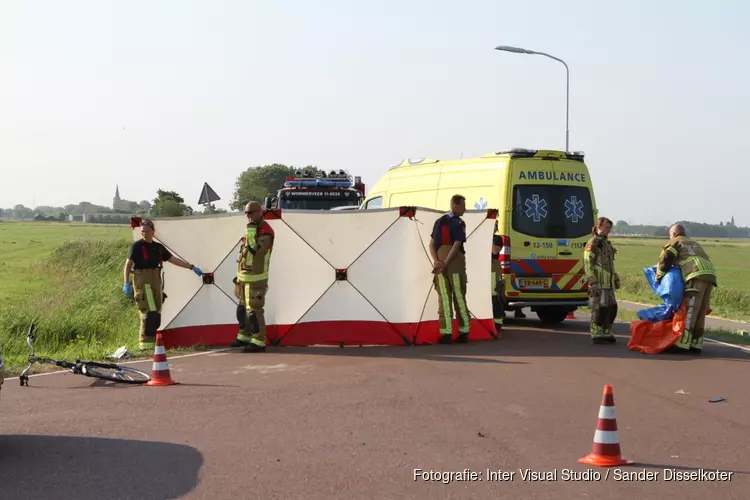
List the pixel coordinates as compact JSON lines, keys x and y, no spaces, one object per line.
{"x":693,"y":229}
{"x":258,"y":182}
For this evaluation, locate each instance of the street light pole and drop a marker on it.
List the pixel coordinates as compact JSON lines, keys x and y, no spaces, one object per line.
{"x":518,"y":50}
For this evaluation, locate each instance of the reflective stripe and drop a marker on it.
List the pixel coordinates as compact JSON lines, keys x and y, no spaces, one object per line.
{"x":703,"y":267}
{"x":461,"y":304}
{"x":244,"y":338}
{"x":252,"y":278}
{"x":258,"y":342}
{"x":247,"y":295}
{"x":159,"y":350}
{"x":160,"y":366}
{"x":149,"y":297}
{"x":606,"y":437}
{"x":445,"y":299}
{"x":607,"y":412}
{"x":499,"y":321}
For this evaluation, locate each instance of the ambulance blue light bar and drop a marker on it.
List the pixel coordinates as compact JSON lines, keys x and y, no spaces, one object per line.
{"x":318,"y":183}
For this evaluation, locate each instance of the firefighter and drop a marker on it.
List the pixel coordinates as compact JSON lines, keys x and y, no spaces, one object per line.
{"x":251,"y":283}
{"x":599,"y":263}
{"x":449,"y":267}
{"x":145,"y":261}
{"x":498,"y":284}
{"x":699,"y":276}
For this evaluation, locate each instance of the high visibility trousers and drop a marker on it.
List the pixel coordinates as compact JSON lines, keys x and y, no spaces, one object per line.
{"x":498,"y":302}
{"x":252,"y":329}
{"x":149,"y":297}
{"x":603,"y":306}
{"x":698,"y":298}
{"x":451,"y":289}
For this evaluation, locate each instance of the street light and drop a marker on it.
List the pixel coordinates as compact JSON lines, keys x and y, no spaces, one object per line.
{"x":517,"y":50}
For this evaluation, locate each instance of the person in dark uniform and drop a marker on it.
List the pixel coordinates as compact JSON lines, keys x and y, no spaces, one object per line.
{"x":449,"y":267}
{"x":144,"y":261}
{"x":497,"y":282}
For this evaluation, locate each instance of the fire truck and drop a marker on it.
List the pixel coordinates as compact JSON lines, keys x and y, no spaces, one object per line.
{"x":311,"y":190}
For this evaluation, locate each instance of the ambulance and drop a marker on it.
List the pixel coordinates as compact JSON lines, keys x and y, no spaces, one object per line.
{"x":546,"y":212}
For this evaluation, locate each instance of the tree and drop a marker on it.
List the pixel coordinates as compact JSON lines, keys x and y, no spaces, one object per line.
{"x":169,"y":204}
{"x":211,"y":209}
{"x":256,"y":183}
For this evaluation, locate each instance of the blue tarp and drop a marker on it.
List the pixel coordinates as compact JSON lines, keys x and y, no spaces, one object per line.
{"x":670,"y":291}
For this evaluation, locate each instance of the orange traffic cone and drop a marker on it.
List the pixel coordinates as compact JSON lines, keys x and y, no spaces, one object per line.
{"x":606,"y":449}
{"x":160,"y":371}
{"x":570,"y":315}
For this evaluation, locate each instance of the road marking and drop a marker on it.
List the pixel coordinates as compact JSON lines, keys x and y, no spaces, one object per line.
{"x":57,"y":372}
{"x":728,"y":345}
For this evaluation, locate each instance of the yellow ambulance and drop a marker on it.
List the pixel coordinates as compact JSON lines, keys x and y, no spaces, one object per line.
{"x":547,"y":210}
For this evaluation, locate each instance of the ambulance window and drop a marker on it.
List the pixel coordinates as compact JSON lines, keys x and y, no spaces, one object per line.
{"x":374,"y":203}
{"x":576,"y":213}
{"x":532,"y":211}
{"x":549,"y":211}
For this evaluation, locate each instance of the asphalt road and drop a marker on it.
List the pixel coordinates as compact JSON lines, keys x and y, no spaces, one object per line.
{"x":354,"y":423}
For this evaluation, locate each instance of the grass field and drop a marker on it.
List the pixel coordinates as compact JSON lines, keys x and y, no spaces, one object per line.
{"x":730,"y":300}
{"x":67,"y":277}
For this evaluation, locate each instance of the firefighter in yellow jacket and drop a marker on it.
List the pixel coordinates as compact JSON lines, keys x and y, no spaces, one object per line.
{"x":145,"y":261}
{"x":498,"y":285}
{"x":251,"y":283}
{"x":699,"y":276}
{"x":599,"y":264}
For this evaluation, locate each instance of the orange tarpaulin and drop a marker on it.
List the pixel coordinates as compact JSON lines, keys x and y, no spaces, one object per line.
{"x":653,"y":338}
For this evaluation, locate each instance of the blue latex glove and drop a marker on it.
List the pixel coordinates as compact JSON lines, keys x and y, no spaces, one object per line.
{"x":127,"y":289}
{"x":197,"y":270}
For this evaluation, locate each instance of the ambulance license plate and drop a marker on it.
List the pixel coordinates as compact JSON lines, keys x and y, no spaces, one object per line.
{"x":534,"y":283}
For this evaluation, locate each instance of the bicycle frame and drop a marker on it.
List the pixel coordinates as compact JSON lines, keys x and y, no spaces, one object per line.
{"x":82,"y":367}
{"x":33,"y":358}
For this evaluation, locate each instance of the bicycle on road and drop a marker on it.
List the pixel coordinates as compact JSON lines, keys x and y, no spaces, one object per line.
{"x":104,"y":371}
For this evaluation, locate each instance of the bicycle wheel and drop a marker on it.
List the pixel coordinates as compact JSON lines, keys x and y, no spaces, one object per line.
{"x":115,"y":373}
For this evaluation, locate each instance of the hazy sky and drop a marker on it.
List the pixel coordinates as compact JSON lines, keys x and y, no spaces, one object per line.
{"x":171,"y":94}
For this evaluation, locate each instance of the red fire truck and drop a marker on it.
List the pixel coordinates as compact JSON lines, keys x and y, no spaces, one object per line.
{"x":311,"y":190}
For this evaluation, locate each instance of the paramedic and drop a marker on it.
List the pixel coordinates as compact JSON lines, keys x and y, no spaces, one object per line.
{"x":599,"y":263}
{"x":449,"y":267}
{"x":251,"y":283}
{"x":144,"y":261}
{"x":699,"y":276}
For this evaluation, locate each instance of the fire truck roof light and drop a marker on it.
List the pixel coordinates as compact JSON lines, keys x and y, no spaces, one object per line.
{"x":318,"y":183}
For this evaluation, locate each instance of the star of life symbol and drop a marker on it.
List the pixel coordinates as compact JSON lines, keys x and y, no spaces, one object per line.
{"x":536,"y":208}
{"x":481,"y":204}
{"x":574,"y":209}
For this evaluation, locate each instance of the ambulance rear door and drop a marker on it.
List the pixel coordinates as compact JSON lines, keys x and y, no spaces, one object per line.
{"x":576,"y":215}
{"x":532,"y":231}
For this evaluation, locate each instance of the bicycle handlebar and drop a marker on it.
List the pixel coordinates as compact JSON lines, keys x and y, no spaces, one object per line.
{"x":30,"y":337}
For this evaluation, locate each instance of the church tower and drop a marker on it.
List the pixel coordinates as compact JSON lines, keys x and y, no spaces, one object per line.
{"x":116,"y":200}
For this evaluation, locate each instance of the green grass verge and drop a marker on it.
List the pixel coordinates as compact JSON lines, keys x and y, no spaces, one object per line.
{"x":67,"y":279}
{"x":731,"y":300}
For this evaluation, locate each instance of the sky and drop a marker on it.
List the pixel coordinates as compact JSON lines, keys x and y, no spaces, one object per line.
{"x":171,"y":94}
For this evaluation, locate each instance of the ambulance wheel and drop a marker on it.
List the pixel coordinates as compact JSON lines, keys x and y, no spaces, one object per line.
{"x":551,"y":315}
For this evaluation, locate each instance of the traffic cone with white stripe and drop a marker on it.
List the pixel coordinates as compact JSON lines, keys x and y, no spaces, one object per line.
{"x":606,"y":449}
{"x":160,"y":371}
